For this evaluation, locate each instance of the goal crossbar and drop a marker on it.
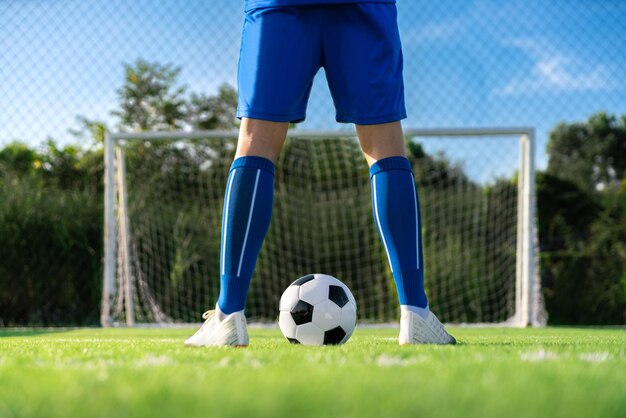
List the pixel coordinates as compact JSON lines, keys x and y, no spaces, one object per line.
{"x":316,"y":134}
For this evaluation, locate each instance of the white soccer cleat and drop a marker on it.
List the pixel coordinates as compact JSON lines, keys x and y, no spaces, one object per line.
{"x":231,"y":330}
{"x":416,"y":330}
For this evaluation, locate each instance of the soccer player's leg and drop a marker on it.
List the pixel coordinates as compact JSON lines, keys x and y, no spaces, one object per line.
{"x":247,"y":209}
{"x":275,"y":76}
{"x":363,"y":64}
{"x":245,"y":220}
{"x":397,"y":215}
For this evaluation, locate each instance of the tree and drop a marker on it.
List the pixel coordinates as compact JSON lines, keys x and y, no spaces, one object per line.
{"x":90,"y":130}
{"x":591,"y":154}
{"x":582,"y":222}
{"x":213,"y":112}
{"x":17,"y":159}
{"x":150,"y":98}
{"x":434,"y":170}
{"x":565,"y":213}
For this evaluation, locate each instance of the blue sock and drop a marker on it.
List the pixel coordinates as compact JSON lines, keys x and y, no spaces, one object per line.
{"x":246,"y":218}
{"x":397,"y":216}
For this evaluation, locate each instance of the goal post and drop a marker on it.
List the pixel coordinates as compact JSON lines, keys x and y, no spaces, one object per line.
{"x":164,"y":196}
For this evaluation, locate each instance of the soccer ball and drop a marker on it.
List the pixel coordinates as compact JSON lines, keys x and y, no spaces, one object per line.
{"x":317,"y":309}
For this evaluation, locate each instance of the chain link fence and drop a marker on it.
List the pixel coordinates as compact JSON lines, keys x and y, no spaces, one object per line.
{"x":472,"y":63}
{"x":64,"y":65}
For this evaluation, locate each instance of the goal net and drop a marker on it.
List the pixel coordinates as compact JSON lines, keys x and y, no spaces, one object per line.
{"x":163,"y":206}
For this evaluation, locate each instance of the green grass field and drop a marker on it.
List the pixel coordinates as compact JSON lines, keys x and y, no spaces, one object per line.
{"x":551,"y":372}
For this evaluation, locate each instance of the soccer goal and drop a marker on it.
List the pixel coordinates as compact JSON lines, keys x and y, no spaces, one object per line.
{"x":164,"y":196}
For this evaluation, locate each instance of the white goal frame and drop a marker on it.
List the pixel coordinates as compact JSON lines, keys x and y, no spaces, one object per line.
{"x":527,"y":274}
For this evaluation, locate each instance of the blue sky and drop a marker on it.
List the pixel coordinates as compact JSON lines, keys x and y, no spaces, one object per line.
{"x":467,"y":63}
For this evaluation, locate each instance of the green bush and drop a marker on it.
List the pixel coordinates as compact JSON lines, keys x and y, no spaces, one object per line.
{"x":582,"y":222}
{"x":51,"y":251}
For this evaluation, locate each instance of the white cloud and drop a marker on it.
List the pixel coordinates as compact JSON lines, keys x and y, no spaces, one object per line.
{"x":555,"y":71}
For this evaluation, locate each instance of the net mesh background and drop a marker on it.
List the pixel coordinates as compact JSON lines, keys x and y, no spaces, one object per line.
{"x":169,"y":218}
{"x":466,"y":64}
{"x":479,"y":63}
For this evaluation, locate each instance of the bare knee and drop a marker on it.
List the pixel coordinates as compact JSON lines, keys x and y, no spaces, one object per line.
{"x":381,"y":141}
{"x":261,"y":138}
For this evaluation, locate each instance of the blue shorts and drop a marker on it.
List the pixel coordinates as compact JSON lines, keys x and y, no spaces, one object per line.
{"x":358,"y":45}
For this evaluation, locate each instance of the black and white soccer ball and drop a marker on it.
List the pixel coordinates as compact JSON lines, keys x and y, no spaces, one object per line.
{"x":317,"y":309}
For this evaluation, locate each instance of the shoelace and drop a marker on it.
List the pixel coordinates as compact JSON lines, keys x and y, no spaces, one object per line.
{"x":207,"y":317}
